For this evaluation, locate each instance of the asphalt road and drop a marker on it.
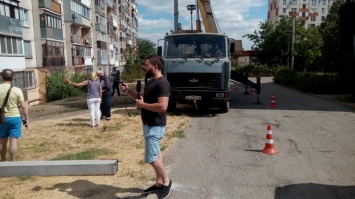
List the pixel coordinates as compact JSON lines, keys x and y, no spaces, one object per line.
{"x":221,"y":155}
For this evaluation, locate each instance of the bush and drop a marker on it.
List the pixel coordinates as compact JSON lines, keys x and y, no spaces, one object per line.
{"x":57,"y":89}
{"x":319,"y":83}
{"x":254,"y":70}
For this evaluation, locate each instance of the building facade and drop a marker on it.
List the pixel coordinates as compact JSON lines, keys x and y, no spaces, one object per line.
{"x":38,"y":38}
{"x":313,"y":12}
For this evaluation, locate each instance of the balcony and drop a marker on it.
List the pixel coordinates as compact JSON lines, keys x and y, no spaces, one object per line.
{"x":78,"y":61}
{"x":10,"y":26}
{"x":100,"y":27}
{"x":53,"y":61}
{"x":83,"y":40}
{"x":99,"y":10}
{"x":101,"y":44}
{"x":110,"y":3}
{"x":51,"y":5}
{"x":293,"y":14}
{"x":53,"y":33}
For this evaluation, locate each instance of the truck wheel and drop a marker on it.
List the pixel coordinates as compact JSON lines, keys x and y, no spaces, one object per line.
{"x":224,"y":106}
{"x":171,"y":105}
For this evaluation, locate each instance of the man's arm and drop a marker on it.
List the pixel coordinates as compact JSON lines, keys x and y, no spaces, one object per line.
{"x":158,"y":107}
{"x":24,"y":108}
{"x":107,"y":83}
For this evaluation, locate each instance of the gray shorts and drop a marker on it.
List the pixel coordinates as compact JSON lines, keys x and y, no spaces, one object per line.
{"x":152,"y":137}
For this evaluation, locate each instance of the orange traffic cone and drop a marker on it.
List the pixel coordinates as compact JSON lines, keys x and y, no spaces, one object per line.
{"x":273,"y":102}
{"x":269,"y":144}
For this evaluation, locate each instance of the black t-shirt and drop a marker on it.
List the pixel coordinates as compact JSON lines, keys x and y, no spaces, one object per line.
{"x":153,"y":89}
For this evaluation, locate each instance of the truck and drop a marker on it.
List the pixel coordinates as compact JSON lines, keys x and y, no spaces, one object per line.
{"x":198,"y":64}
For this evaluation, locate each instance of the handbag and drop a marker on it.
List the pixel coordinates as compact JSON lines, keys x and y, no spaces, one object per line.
{"x":2,"y":109}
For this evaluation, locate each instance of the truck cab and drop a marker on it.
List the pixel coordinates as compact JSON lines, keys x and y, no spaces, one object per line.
{"x":197,"y":66}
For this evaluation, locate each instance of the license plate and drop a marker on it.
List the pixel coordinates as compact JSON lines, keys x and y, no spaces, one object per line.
{"x":193,"y":97}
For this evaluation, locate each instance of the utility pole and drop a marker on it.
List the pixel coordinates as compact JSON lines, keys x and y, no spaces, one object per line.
{"x":293,"y":42}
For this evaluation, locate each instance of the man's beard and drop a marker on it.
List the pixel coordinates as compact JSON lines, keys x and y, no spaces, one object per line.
{"x":149,"y":74}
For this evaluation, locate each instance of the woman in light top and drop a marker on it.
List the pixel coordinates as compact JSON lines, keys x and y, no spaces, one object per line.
{"x":93,"y":97}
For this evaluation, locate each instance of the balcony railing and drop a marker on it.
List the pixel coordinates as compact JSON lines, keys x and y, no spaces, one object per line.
{"x":51,"y":5}
{"x":100,"y":27}
{"x":83,"y":40}
{"x":78,"y":61}
{"x":52,"y":61}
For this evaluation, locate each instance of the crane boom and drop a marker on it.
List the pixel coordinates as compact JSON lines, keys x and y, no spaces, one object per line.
{"x":207,"y":16}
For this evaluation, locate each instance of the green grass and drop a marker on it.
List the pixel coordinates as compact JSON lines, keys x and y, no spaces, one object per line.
{"x":345,"y":99}
{"x":177,"y":134}
{"x":84,"y":155}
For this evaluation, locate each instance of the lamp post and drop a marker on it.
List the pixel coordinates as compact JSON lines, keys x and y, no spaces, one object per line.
{"x":191,"y":8}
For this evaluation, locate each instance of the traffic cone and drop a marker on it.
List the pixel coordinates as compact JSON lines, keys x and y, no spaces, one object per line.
{"x":269,"y":144}
{"x":273,"y":102}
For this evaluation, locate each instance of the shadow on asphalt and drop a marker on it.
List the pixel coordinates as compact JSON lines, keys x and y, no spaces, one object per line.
{"x":87,"y":189}
{"x":314,"y":191}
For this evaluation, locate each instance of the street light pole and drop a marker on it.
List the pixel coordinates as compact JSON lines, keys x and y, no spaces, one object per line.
{"x":293,"y":42}
{"x":191,"y":8}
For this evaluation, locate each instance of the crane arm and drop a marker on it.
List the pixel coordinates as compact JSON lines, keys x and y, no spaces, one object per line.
{"x":207,"y":16}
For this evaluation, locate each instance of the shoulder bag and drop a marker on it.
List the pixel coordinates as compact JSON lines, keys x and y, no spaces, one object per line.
{"x":2,"y":109}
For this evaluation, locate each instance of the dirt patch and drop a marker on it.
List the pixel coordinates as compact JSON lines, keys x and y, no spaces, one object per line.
{"x":62,"y":128}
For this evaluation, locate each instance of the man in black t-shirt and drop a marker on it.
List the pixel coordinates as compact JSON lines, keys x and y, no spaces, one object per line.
{"x":153,"y":107}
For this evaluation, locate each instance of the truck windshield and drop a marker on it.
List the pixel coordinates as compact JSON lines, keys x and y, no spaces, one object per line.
{"x":190,"y":46}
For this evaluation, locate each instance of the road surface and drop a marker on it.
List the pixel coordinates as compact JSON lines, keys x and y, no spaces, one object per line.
{"x":221,"y":155}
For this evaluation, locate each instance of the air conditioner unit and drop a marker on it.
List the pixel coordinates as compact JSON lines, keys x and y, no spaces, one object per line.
{"x":75,"y":15}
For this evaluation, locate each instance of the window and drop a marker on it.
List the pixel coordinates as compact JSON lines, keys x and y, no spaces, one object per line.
{"x":30,"y":79}
{"x":313,"y":10}
{"x":24,"y":17}
{"x":18,"y":80}
{"x":294,"y":2}
{"x":53,"y":48}
{"x":323,"y":10}
{"x":323,"y":2}
{"x":27,"y":49}
{"x":314,"y":2}
{"x":80,"y":9}
{"x":50,"y":21}
{"x":11,"y":45}
{"x":323,"y":18}
{"x":294,"y":9}
{"x":284,"y":2}
{"x":24,"y":79}
{"x":10,"y":9}
{"x":313,"y":18}
{"x":283,"y":10}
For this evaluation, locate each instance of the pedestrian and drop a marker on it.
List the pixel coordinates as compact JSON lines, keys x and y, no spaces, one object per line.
{"x":106,"y":95}
{"x":93,"y":97}
{"x":153,"y":104}
{"x":12,"y":128}
{"x":116,"y":78}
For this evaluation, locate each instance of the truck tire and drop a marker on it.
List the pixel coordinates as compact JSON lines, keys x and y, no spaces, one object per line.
{"x":171,"y":105}
{"x":223,"y":106}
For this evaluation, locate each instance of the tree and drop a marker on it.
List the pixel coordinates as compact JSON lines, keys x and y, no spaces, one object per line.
{"x":329,"y":30}
{"x":146,"y":47}
{"x":135,"y":59}
{"x":273,"y":45}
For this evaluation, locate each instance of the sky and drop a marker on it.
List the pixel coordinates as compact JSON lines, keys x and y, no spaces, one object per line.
{"x":235,"y":18}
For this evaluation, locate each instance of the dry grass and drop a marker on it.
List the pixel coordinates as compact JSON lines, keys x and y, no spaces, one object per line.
{"x":69,"y":133}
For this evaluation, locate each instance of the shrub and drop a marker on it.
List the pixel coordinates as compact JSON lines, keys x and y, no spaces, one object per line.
{"x":57,"y":89}
{"x":319,"y":83}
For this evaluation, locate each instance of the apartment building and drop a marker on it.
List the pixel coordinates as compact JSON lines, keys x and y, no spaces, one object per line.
{"x":313,"y":12}
{"x":38,"y":38}
{"x":16,"y":42}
